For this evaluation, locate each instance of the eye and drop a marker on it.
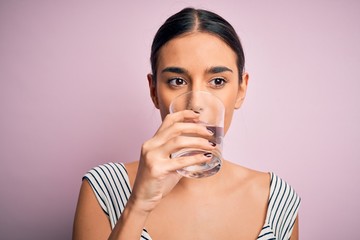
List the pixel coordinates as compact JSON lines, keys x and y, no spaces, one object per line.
{"x":175,"y":82}
{"x":218,"y":82}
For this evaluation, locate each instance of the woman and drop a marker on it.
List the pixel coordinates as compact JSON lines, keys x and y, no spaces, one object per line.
{"x":148,"y":199}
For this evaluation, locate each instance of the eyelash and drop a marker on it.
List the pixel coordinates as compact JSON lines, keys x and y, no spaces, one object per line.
{"x":223,"y":82}
{"x":172,"y":82}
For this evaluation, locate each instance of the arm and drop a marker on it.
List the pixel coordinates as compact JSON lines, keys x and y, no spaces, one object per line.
{"x":130,"y":224}
{"x":295,"y":232}
{"x":90,"y":221}
{"x":156,"y":176}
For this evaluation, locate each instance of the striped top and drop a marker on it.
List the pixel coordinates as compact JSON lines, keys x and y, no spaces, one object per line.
{"x":110,"y":183}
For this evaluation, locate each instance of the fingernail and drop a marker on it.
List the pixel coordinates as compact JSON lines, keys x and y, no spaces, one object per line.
{"x":208,"y":155}
{"x":210,"y":131}
{"x":212,"y":143}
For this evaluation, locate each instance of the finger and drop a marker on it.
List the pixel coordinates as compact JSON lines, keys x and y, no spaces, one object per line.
{"x":181,"y":142}
{"x":188,"y":129}
{"x":181,"y":162}
{"x":181,"y":116}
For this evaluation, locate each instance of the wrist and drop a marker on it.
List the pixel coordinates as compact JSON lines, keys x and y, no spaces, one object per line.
{"x":131,"y":222}
{"x":141,"y":207}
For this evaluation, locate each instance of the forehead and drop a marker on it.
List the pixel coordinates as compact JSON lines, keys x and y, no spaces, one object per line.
{"x":196,"y":50}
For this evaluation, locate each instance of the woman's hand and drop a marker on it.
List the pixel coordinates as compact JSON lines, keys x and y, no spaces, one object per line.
{"x":157,"y":174}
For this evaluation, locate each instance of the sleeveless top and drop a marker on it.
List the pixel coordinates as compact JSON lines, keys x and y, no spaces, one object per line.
{"x":110,"y":183}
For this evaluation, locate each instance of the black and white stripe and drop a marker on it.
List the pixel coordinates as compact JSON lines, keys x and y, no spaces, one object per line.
{"x":110,"y":183}
{"x":282,"y":210}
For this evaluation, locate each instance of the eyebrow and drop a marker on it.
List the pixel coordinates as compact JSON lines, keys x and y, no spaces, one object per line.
{"x":218,"y":69}
{"x":179,"y":70}
{"x":174,"y":70}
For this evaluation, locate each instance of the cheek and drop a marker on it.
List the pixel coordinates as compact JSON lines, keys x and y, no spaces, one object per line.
{"x":164,"y":103}
{"x":228,"y":119}
{"x":229,"y":103}
{"x":163,"y":111}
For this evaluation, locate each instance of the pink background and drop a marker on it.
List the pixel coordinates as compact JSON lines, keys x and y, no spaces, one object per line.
{"x":73,"y":94}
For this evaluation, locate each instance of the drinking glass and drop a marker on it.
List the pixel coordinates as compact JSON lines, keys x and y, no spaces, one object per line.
{"x":212,"y":112}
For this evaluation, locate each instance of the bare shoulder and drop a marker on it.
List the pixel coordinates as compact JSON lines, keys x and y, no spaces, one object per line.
{"x":260,"y":183}
{"x":247,"y":198}
{"x":90,"y":222}
{"x":256,"y":182}
{"x":131,"y":169}
{"x":259,"y":179}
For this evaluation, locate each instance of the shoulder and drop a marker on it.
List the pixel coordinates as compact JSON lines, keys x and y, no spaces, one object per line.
{"x":284,"y":195}
{"x":255,"y":185}
{"x":254,"y":180}
{"x":110,"y":184}
{"x":105,"y":172}
{"x":283,"y":207}
{"x":108,"y":179}
{"x":279,"y":187}
{"x":132,"y":168}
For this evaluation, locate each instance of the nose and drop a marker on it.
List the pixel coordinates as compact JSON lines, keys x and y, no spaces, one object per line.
{"x":196,"y":101}
{"x":197,"y":84}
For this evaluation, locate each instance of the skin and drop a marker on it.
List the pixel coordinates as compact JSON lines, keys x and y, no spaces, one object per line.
{"x":232,"y":204}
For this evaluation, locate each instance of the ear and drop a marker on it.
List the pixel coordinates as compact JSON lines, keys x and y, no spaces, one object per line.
{"x":152,"y":88}
{"x":242,"y":90}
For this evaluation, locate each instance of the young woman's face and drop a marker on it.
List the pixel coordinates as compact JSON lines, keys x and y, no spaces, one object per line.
{"x":198,"y":61}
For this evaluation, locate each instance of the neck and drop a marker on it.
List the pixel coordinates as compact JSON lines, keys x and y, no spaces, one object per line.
{"x":206,"y":184}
